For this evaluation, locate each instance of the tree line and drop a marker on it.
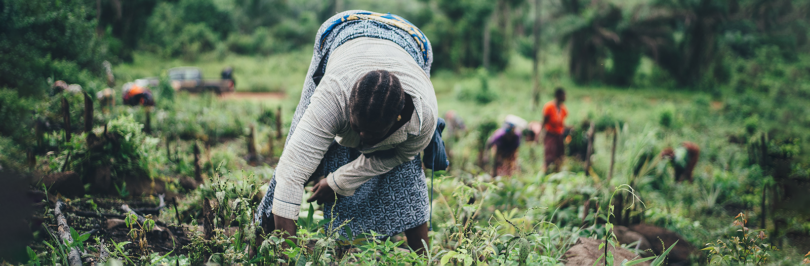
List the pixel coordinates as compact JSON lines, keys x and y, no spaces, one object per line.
{"x":67,"y":39}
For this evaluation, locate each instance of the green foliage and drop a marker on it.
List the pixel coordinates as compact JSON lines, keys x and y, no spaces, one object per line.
{"x":666,"y":117}
{"x":175,"y":31}
{"x":124,"y":150}
{"x":740,"y":246}
{"x":203,"y":118}
{"x":15,"y":114}
{"x":456,"y":34}
{"x":480,"y":94}
{"x":43,"y":39}
{"x":205,"y":12}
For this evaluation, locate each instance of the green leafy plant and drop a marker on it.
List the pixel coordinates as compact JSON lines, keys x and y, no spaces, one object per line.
{"x":138,"y":230}
{"x":118,"y":250}
{"x":122,"y":191}
{"x":743,"y":246}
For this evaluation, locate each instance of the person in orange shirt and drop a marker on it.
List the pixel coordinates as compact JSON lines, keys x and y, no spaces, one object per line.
{"x":554,"y":113}
{"x":137,"y":95}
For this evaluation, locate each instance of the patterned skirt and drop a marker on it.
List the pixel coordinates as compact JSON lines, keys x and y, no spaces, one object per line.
{"x":387,"y":204}
{"x":554,"y":148}
{"x":505,"y":162}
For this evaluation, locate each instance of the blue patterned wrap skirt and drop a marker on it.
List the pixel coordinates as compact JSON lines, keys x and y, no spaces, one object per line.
{"x":387,"y":204}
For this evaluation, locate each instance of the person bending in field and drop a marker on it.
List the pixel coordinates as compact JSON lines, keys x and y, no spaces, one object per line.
{"x":506,"y":141}
{"x":106,"y":99}
{"x":367,"y":110}
{"x":137,"y":95}
{"x":554,"y":113}
{"x":683,"y":159}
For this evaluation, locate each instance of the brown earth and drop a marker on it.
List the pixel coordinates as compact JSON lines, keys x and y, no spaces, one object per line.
{"x":586,"y":251}
{"x":626,"y":236}
{"x":680,"y":254}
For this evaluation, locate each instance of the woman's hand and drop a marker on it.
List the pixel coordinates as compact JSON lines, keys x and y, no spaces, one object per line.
{"x":322,"y":192}
{"x":285,"y":225}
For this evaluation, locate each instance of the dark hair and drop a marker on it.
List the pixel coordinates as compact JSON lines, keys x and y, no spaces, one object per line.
{"x":558,"y":92}
{"x":377,"y":98}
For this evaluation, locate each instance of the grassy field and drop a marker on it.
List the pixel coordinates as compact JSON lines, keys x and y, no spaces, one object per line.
{"x":548,"y":210}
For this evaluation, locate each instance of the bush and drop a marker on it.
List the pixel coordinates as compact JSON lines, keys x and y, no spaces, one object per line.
{"x":15,"y":116}
{"x":41,"y":41}
{"x":176,"y":30}
{"x":123,"y":150}
{"x":195,"y":39}
{"x":205,"y":12}
{"x":481,"y":94}
{"x":11,"y":155}
{"x":666,"y":117}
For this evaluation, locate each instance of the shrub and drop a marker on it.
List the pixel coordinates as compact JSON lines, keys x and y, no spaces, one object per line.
{"x":741,"y":246}
{"x":666,"y":117}
{"x":41,"y":41}
{"x":480,"y":94}
{"x":15,"y":115}
{"x":123,"y":149}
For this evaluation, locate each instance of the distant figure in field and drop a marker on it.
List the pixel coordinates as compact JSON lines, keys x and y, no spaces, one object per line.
{"x":683,"y":159}
{"x":108,"y":71}
{"x":61,"y":86}
{"x":455,"y":125}
{"x":106,"y":99}
{"x":554,"y":113}
{"x":137,"y":94}
{"x":227,"y":75}
{"x":534,"y":130}
{"x":506,"y":141}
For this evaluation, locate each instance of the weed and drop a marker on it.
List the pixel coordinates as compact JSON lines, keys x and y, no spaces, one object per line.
{"x":122,"y":191}
{"x":744,"y":246}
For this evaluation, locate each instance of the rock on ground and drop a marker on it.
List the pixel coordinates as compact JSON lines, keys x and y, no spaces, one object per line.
{"x":586,"y":251}
{"x":680,"y":254}
{"x":69,"y":184}
{"x":627,"y":236}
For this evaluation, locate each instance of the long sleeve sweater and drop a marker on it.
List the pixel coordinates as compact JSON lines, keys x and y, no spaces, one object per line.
{"x":327,"y":119}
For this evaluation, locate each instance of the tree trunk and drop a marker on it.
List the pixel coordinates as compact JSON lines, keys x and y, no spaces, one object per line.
{"x":589,"y":150}
{"x":168,"y":151}
{"x":99,"y":29}
{"x":147,"y":127}
{"x":197,"y":170}
{"x":74,"y":256}
{"x":208,"y":220}
{"x":66,"y":118}
{"x":612,"y":155}
{"x":88,"y":113}
{"x":618,"y":210}
{"x":487,"y":37}
{"x":278,"y":123}
{"x":270,"y":146}
{"x":764,"y":214}
{"x":252,"y":141}
{"x":251,"y":146}
{"x":535,"y":56}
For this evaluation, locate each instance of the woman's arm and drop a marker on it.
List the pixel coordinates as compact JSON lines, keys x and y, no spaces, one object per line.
{"x":305,"y":149}
{"x":349,"y":177}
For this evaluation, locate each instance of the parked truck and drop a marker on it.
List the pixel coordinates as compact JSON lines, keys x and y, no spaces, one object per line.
{"x":190,"y":79}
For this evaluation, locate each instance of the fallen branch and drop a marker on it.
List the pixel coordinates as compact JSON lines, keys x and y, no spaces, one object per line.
{"x":109,"y":216}
{"x":155,"y":210}
{"x":103,"y":253}
{"x":74,"y":257}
